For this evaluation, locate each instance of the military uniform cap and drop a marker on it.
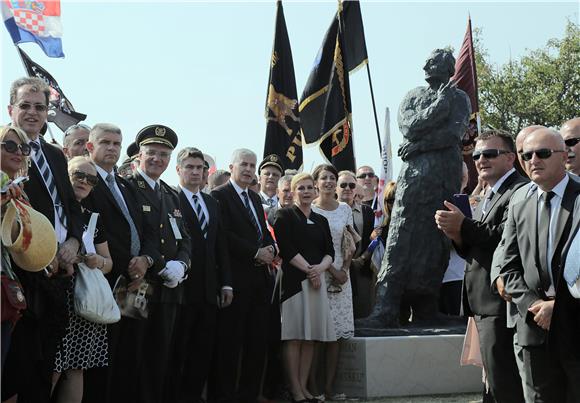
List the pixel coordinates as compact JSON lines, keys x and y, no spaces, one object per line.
{"x":271,"y":160}
{"x":157,"y":134}
{"x":132,"y":150}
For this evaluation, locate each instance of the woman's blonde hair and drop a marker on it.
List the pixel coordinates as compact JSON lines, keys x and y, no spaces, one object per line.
{"x":79,"y":160}
{"x":388,"y":193}
{"x":299,"y":177}
{"x":4,"y":131}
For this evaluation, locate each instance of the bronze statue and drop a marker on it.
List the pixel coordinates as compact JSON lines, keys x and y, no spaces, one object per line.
{"x":433,"y":120}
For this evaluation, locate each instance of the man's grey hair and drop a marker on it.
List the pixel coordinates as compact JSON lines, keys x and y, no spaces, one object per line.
{"x":240,"y":153}
{"x":217,"y":178}
{"x":101,"y":128}
{"x":188,"y":152}
{"x":285,"y":179}
{"x":71,"y":130}
{"x":36,"y":84}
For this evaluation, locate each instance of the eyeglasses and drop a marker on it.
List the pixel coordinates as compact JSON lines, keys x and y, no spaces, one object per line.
{"x":92,"y":180}
{"x":369,"y":175}
{"x":76,"y":127}
{"x":489,"y":154}
{"x":11,"y":147}
{"x":572,"y":142}
{"x":543,"y":153}
{"x":161,"y":154}
{"x":37,"y":107}
{"x":350,"y":185}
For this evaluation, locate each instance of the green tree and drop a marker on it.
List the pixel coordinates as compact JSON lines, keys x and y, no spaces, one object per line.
{"x":542,"y":87}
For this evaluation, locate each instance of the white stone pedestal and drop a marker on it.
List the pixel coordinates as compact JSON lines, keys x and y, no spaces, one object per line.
{"x":404,"y":366}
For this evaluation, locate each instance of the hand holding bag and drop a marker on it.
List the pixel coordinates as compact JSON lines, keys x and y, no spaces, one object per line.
{"x":93,"y":298}
{"x":133,"y":304}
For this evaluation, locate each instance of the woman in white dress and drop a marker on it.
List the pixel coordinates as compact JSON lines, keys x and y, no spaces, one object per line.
{"x":338,"y":215}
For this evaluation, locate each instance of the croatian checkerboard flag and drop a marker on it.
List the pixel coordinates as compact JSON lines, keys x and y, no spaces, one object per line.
{"x":35,"y":21}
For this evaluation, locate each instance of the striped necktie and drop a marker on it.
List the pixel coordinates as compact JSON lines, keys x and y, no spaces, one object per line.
{"x":252,"y":216}
{"x":48,"y":178}
{"x":200,"y":216}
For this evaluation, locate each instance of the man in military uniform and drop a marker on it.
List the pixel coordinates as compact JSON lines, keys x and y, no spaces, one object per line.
{"x":160,"y":205}
{"x":270,"y":171}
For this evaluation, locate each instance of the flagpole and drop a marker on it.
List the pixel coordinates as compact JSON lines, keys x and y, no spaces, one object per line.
{"x":374,"y":108}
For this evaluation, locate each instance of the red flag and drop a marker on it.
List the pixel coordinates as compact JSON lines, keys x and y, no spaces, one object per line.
{"x":466,"y":79}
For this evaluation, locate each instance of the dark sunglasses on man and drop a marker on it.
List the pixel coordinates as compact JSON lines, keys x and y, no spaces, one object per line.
{"x":25,"y":106}
{"x":542,"y":153}
{"x":369,"y":175}
{"x":489,"y":154}
{"x":351,"y":185}
{"x":572,"y":141}
{"x":11,"y":147}
{"x":92,"y":180}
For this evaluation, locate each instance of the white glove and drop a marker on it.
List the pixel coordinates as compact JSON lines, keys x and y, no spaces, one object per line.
{"x":172,"y":273}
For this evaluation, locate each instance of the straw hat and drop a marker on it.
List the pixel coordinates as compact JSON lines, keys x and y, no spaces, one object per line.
{"x":35,"y":245}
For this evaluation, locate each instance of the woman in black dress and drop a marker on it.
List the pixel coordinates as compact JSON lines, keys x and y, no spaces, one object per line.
{"x":306,"y":249}
{"x":85,"y":343}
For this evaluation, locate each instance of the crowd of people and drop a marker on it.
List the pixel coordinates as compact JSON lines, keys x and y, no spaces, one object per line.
{"x":237,"y":287}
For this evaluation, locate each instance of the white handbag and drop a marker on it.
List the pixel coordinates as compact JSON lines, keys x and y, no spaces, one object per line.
{"x":93,"y":297}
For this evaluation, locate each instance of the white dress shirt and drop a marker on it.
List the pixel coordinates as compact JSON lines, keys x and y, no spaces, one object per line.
{"x":189,"y":196}
{"x":555,"y":204}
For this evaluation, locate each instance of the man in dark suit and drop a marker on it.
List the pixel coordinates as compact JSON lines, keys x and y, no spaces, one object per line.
{"x":172,"y":256}
{"x":362,"y":277}
{"x":130,"y":244}
{"x":535,"y":233}
{"x":476,"y":240}
{"x":30,"y":362}
{"x":243,"y":325}
{"x":208,"y":284}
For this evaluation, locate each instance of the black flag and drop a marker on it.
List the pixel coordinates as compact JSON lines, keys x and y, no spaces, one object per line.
{"x":325,"y":107}
{"x":336,"y":144}
{"x":283,"y":136}
{"x":61,"y":111}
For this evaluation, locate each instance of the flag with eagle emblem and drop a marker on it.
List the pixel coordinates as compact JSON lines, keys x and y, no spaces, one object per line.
{"x":283,"y":136}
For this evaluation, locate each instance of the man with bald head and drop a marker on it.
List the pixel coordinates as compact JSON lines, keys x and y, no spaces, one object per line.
{"x":571,"y":133}
{"x":536,"y":229}
{"x":520,"y":144}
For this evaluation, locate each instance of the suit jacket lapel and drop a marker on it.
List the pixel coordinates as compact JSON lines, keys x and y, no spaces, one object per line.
{"x":566,"y":207}
{"x":149,"y":193}
{"x":211,"y":210}
{"x":107,"y":192}
{"x":189,"y":212}
{"x":498,"y":195}
{"x":238,"y":202}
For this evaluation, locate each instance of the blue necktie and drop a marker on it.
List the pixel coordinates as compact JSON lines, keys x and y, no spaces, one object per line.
{"x":200,"y":216}
{"x":252,"y":217}
{"x":135,"y":241}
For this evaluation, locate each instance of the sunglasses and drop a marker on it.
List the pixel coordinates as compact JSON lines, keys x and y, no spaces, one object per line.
{"x":369,"y":175}
{"x":572,"y":142}
{"x":92,"y":180}
{"x":543,"y":153}
{"x":351,"y":185}
{"x":488,"y":154}
{"x":11,"y":147}
{"x":25,"y":106}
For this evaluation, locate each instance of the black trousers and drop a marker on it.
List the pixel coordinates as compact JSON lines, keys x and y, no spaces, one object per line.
{"x":157,"y":347}
{"x":192,"y":352}
{"x":242,"y":332}
{"x":497,"y":353}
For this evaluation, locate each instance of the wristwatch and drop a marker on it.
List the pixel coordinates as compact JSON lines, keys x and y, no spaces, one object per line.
{"x":149,"y":261}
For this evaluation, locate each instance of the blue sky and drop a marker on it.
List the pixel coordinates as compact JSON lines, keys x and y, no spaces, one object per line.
{"x":202,"y":67}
